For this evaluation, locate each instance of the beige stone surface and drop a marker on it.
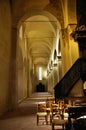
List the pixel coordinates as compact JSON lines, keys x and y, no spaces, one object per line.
{"x":5,"y":52}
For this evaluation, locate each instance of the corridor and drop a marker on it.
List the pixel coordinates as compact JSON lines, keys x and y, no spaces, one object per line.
{"x":42,"y":49}
{"x":24,"y":118}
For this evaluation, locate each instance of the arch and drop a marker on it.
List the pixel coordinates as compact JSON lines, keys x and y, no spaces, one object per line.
{"x":44,"y":43}
{"x":48,"y":44}
{"x":42,"y":18}
{"x":43,"y":13}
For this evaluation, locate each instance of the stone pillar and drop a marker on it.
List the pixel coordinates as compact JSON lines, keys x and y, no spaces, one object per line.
{"x":13,"y":72}
{"x":65,"y":47}
{"x":79,"y":35}
{"x":70,"y":50}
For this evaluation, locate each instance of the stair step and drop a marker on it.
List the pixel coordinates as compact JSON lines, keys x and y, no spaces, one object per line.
{"x":41,"y":96}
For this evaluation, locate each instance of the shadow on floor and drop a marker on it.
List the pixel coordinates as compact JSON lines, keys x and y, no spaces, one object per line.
{"x":24,"y":118}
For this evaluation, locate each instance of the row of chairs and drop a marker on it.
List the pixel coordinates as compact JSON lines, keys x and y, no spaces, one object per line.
{"x":53,"y":113}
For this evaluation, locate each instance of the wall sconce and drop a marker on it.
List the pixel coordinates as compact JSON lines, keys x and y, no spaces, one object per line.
{"x":51,"y":65}
{"x":59,"y":57}
{"x":50,"y":68}
{"x":55,"y":63}
{"x":48,"y":71}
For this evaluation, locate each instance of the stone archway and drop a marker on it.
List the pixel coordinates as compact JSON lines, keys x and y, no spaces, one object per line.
{"x":53,"y":11}
{"x":47,"y":46}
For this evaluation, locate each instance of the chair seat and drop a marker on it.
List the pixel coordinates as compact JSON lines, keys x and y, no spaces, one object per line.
{"x":65,"y":115}
{"x":42,"y":113}
{"x":59,"y":121}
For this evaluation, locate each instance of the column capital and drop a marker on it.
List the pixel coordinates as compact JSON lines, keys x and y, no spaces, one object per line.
{"x":79,"y":34}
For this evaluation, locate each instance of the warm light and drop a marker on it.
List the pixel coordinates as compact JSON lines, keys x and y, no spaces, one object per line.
{"x":84,"y":85}
{"x":40,"y":73}
{"x":20,"y":32}
{"x":25,"y":44}
{"x":45,"y":73}
{"x":55,"y":62}
{"x":58,"y":49}
{"x":57,"y":46}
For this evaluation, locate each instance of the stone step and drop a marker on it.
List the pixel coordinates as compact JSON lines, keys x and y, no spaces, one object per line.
{"x":41,"y":96}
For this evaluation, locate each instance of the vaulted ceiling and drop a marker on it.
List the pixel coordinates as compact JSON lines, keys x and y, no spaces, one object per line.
{"x":41,"y":35}
{"x":41,"y":27}
{"x":42,"y":20}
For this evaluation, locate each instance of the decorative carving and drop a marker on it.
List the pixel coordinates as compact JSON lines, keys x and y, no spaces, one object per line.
{"x":79,"y":34}
{"x":56,"y":3}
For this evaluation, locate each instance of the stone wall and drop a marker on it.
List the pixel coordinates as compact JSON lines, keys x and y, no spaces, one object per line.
{"x":5,"y":49}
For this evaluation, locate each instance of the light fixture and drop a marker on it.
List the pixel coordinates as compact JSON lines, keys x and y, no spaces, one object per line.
{"x":55,"y":62}
{"x":51,"y":65}
{"x":48,"y":72}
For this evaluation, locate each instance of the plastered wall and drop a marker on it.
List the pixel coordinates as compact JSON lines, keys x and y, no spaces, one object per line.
{"x":5,"y":50}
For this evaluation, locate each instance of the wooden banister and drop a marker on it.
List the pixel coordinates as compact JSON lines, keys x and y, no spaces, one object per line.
{"x":77,"y":71}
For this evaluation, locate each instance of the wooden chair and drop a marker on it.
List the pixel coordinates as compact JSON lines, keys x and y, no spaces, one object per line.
{"x":58,"y":116}
{"x":54,"y":109}
{"x":49,"y":110}
{"x":58,"y":122}
{"x":41,"y":113}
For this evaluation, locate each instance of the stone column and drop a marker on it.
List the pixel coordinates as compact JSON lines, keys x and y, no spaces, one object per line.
{"x":13,"y":72}
{"x":79,"y":35}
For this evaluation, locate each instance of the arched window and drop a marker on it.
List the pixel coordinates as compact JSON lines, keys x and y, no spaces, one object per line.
{"x":40,"y":73}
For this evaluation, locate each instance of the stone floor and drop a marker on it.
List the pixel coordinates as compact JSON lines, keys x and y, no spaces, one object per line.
{"x":24,"y":118}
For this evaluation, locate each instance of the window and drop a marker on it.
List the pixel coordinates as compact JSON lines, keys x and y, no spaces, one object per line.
{"x":40,"y":73}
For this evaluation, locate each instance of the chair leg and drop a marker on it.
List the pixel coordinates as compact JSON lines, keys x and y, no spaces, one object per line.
{"x":52,"y":126}
{"x":46,"y":119}
{"x":63,"y":126}
{"x":50,"y":119}
{"x":37,"y":120}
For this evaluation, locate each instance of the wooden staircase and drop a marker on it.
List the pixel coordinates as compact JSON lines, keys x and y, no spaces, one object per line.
{"x":77,"y":71}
